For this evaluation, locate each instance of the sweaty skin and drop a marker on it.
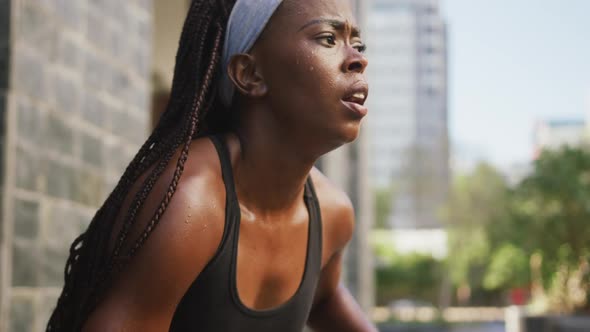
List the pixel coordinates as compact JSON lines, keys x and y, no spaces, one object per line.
{"x":290,"y":99}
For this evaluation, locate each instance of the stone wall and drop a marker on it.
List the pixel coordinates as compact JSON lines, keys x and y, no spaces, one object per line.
{"x":73,"y":113}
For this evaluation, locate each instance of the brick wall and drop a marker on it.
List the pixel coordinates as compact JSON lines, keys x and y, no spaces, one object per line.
{"x":73,"y":111}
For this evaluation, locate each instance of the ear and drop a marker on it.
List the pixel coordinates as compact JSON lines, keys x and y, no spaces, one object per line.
{"x":243,"y":72}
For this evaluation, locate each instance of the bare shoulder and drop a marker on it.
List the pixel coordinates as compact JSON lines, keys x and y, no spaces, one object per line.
{"x":337,"y":214}
{"x":178,"y":248}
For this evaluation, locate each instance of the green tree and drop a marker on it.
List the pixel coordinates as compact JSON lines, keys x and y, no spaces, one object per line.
{"x":415,"y":276}
{"x":494,"y":230}
{"x":383,"y":207}
{"x":478,"y":202}
{"x":508,"y":268}
{"x":554,"y":204}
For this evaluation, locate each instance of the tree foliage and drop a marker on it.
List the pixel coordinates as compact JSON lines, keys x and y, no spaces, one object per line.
{"x":494,"y":229}
{"x":478,"y":201}
{"x":415,"y":275}
{"x":383,"y":207}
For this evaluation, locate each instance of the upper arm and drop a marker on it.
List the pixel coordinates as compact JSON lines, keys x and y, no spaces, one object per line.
{"x":334,"y":308}
{"x":338,"y":226}
{"x":145,"y":294}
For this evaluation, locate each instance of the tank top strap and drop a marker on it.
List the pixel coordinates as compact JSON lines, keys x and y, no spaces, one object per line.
{"x":309,"y":191}
{"x":226,"y":167}
{"x":315,"y":224}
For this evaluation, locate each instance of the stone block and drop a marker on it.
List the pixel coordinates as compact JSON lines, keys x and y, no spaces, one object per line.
{"x":139,"y":132}
{"x":116,"y":158}
{"x":119,"y":43}
{"x":27,"y":169}
{"x":96,"y":33}
{"x":69,"y":53}
{"x":84,"y":216}
{"x":93,"y":109}
{"x":37,"y":28}
{"x":148,"y":5}
{"x":61,"y":225}
{"x":92,"y":150}
{"x":58,"y":134}
{"x":28,"y":120}
{"x":138,"y":97}
{"x":116,"y":10}
{"x":145,"y":30}
{"x":122,"y":124}
{"x":26,"y":219}
{"x":21,"y":314}
{"x":92,"y":70}
{"x":72,"y":13}
{"x":47,"y":304}
{"x":88,"y":187}
{"x":31,"y":74}
{"x":59,"y":179}
{"x":25,"y":263}
{"x":67,"y":93}
{"x":121,"y":85}
{"x":53,"y":261}
{"x":141,"y":62}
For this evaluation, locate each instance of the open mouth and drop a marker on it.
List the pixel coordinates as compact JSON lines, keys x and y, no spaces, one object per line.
{"x":357,"y":98}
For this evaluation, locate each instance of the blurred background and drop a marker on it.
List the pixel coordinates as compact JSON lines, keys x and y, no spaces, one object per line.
{"x":471,"y":178}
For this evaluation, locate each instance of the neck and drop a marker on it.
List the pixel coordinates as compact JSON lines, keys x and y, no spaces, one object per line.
{"x":272,"y":167}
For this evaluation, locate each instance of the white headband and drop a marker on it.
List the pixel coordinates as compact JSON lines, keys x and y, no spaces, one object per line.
{"x":246,"y":22}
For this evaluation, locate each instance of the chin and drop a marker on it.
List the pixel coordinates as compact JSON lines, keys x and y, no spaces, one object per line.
{"x":353,"y":130}
{"x":350,"y":132}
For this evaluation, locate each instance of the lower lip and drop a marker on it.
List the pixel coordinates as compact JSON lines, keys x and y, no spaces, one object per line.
{"x":358,"y":109}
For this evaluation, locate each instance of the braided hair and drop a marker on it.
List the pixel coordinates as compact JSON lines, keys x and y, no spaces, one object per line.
{"x":94,"y":258}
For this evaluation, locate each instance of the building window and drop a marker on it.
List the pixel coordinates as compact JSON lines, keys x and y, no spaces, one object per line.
{"x":430,"y":91}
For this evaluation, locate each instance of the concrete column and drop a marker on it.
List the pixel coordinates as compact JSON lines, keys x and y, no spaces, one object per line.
{"x":515,"y":319}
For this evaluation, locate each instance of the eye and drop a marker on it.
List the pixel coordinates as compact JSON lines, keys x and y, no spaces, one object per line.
{"x":362,"y":48}
{"x":330,"y":39}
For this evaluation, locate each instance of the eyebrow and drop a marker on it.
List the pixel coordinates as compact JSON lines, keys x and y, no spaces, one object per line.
{"x":336,"y":24}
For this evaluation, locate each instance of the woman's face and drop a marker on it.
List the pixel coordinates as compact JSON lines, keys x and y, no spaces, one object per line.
{"x":310,"y":56}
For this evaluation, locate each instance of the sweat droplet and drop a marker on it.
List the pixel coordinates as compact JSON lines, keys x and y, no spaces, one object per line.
{"x":311,"y":68}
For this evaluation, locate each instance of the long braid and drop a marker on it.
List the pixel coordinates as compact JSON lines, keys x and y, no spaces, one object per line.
{"x":91,"y":266}
{"x":137,"y":203}
{"x":198,"y":104}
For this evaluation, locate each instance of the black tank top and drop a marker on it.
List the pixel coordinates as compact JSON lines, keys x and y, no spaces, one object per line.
{"x":212,"y":303}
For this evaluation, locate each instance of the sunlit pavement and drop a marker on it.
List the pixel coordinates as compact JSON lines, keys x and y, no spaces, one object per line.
{"x":484,"y":327}
{"x":488,"y":327}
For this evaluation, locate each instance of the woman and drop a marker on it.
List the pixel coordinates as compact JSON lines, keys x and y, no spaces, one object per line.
{"x":233,"y":238}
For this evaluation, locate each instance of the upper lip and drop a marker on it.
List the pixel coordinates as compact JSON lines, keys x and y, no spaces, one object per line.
{"x":357,"y":93}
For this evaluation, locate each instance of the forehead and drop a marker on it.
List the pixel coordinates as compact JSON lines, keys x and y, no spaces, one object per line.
{"x":293,"y":12}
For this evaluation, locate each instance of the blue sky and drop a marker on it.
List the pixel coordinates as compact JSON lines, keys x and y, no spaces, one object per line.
{"x":512,"y":62}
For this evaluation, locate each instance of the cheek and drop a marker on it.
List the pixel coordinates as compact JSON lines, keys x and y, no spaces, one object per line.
{"x":317,"y":72}
{"x":304,"y":76}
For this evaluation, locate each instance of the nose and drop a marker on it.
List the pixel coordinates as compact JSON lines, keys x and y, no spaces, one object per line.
{"x":355,"y":62}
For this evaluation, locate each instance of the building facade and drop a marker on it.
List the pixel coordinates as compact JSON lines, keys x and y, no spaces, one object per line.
{"x":556,"y":133}
{"x":409,"y":148}
{"x":74,"y":108}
